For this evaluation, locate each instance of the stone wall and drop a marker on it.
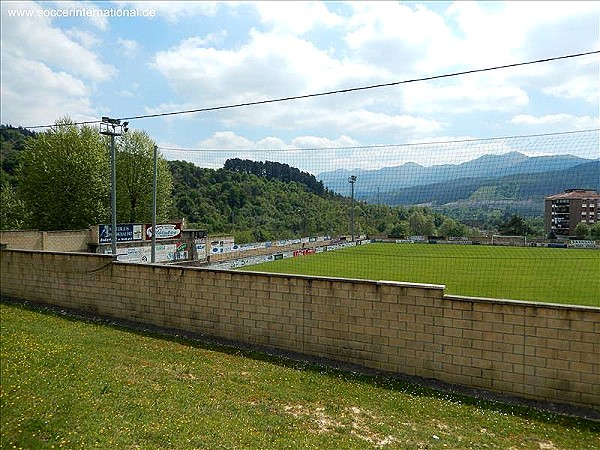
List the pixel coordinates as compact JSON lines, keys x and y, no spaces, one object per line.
{"x":534,"y":351}
{"x":55,"y":241}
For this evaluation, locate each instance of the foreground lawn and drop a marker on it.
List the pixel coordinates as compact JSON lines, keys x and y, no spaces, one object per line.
{"x":75,"y":384}
{"x":553,"y":275}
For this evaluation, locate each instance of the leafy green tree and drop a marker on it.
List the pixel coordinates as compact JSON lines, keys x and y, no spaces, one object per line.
{"x":582,"y":230}
{"x":421,"y":224}
{"x":515,"y":226}
{"x":536,"y":226}
{"x":135,"y":172}
{"x":595,"y":231}
{"x":63,"y":177}
{"x":451,"y":227}
{"x":13,"y":214}
{"x":400,"y":229}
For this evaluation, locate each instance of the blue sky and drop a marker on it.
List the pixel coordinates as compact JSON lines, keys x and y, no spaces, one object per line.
{"x":189,"y":55}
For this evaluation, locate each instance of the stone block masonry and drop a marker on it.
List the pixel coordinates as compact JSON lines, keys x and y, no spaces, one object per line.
{"x":535,"y":351}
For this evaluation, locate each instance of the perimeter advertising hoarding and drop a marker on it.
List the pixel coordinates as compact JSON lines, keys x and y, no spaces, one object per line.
{"x":164,"y":231}
{"x":126,"y":232}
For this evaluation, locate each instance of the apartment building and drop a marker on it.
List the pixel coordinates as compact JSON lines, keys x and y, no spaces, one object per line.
{"x":564,"y":211}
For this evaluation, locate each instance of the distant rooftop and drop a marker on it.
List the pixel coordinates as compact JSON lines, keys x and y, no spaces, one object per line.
{"x":575,"y":193}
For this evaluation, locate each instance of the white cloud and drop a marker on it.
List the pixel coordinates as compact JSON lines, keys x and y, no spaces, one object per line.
{"x":387,"y":41}
{"x":579,"y":87}
{"x":165,"y":108}
{"x":268,"y":65}
{"x":226,"y":140}
{"x":173,"y":11}
{"x":465,"y":96}
{"x":127,"y":46}
{"x":567,"y":121}
{"x":296,"y":17}
{"x":412,"y":41}
{"x":271,"y":143}
{"x":37,"y":39}
{"x":85,"y":38}
{"x":86,"y":10}
{"x":212,"y":38}
{"x":125,"y":93}
{"x":323,"y":142}
{"x":36,"y":95}
{"x":492,"y":33}
{"x":397,"y":37}
{"x":217,"y":77}
{"x":227,"y":144}
{"x":296,"y":48}
{"x":47,"y":71}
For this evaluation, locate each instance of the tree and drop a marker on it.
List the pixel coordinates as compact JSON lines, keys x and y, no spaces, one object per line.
{"x":582,"y":230}
{"x":12,"y":143}
{"x":451,"y":227}
{"x":400,"y":229}
{"x":595,"y":231}
{"x":13,"y":214}
{"x":63,"y":177}
{"x":135,"y":172}
{"x":515,"y":226}
{"x":421,"y":224}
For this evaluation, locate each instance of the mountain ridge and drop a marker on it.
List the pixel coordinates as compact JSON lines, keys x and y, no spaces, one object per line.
{"x":484,"y":169}
{"x":515,"y":188}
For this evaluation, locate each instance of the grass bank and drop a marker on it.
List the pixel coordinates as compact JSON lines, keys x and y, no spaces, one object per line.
{"x":553,"y":275}
{"x":78,"y":384}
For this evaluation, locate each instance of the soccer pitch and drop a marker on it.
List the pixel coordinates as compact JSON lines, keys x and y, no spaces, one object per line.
{"x":552,"y":275}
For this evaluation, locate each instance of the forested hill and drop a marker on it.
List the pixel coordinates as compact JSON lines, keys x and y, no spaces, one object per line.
{"x":12,"y":142}
{"x":251,"y":207}
{"x":280,"y":202}
{"x":276,"y":171}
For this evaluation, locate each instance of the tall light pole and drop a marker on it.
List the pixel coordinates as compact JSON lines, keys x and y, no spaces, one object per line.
{"x":154,"y":183}
{"x":113,"y":127}
{"x":352,"y":180}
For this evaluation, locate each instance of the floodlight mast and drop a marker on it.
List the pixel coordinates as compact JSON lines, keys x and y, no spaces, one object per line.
{"x":352,"y":180}
{"x":154,"y":183}
{"x":113,"y":127}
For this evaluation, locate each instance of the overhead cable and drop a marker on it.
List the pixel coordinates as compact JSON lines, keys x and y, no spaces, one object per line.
{"x":334,"y":92}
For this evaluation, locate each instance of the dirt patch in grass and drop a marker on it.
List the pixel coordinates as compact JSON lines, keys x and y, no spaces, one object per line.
{"x":353,"y":420}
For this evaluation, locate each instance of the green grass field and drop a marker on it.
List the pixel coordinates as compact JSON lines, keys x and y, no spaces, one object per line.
{"x":76,"y":384}
{"x":554,"y":275}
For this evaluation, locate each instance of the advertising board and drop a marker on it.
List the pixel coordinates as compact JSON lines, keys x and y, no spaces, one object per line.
{"x":164,"y":231}
{"x":126,"y":232}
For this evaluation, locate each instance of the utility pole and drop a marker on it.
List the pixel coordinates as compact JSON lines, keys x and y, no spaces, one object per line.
{"x":113,"y":127}
{"x":154,"y":183}
{"x":352,"y":180}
